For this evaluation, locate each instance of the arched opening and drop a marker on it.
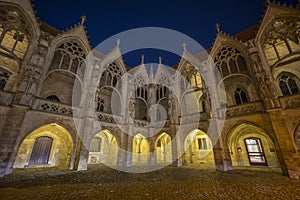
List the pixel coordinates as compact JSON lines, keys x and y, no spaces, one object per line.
{"x":199,"y":150}
{"x":48,"y":146}
{"x":103,"y":149}
{"x":250,"y":146}
{"x":53,"y":98}
{"x":140,"y":150}
{"x":141,"y":111}
{"x":163,"y":148}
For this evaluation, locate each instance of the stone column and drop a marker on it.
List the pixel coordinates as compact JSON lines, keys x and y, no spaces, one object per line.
{"x":152,"y":157}
{"x":220,"y":150}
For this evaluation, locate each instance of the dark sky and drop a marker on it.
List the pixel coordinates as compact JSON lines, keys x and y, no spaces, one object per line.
{"x":194,"y":18}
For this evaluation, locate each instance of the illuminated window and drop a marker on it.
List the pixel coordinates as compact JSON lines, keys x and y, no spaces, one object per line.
{"x":41,"y":150}
{"x":240,"y":96}
{"x":281,"y":39}
{"x":4,"y":76}
{"x":255,"y":151}
{"x":95,"y":144}
{"x":288,"y":85}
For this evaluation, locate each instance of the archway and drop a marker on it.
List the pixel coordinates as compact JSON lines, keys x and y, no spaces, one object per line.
{"x":48,"y":146}
{"x":199,"y":150}
{"x":140,"y":150}
{"x":103,"y":149}
{"x":163,"y":148}
{"x":251,"y":146}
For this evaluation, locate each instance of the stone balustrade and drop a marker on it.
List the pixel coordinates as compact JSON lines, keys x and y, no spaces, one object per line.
{"x":243,"y":109}
{"x":196,"y":117}
{"x":52,"y":107}
{"x":291,"y":101}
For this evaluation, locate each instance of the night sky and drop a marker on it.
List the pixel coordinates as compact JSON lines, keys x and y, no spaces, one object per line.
{"x":191,"y":17}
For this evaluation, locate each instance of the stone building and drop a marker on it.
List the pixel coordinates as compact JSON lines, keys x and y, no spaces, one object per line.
{"x":259,"y":68}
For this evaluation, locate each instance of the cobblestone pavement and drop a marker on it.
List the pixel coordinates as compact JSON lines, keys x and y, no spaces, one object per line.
{"x":167,"y":183}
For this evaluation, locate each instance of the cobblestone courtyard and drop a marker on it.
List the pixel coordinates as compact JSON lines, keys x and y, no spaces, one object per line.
{"x":167,"y":183}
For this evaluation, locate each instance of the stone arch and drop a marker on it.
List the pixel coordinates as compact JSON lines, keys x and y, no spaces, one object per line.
{"x":163,"y":148}
{"x":240,"y":153}
{"x":61,"y":151}
{"x":198,"y":149}
{"x":103,"y":148}
{"x":140,"y":149}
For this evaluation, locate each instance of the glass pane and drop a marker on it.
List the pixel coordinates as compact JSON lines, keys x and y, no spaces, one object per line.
{"x":257,"y":159}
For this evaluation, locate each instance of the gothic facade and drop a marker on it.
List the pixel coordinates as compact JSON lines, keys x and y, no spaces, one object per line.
{"x":259,"y":68}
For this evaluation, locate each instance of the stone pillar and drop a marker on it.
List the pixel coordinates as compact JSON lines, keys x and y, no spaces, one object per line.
{"x":129,"y":147}
{"x":9,"y":137}
{"x":152,"y":157}
{"x":122,"y":150}
{"x":221,"y":151}
{"x":290,"y":162}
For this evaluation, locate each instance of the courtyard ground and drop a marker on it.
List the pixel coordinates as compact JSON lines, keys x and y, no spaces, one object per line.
{"x":167,"y":183}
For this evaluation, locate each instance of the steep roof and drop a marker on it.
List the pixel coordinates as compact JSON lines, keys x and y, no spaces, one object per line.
{"x":48,"y":28}
{"x":247,"y":34}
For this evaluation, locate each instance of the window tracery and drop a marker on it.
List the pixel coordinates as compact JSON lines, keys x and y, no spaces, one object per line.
{"x":240,"y":96}
{"x":14,"y":33}
{"x":281,"y":39}
{"x":229,"y":60}
{"x":111,"y":76}
{"x":68,"y":56}
{"x":288,"y":84}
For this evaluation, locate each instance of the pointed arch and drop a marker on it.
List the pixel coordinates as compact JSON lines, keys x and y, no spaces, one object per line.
{"x":39,"y":148}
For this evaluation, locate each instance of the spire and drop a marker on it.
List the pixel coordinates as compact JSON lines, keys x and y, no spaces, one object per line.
{"x":118,"y":42}
{"x":83,"y":19}
{"x":151,"y":72}
{"x":217,"y":25}
{"x":159,"y":60}
{"x":184,"y":46}
{"x":142,"y":59}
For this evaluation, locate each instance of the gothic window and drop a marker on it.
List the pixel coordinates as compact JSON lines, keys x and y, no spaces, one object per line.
{"x":255,"y":151}
{"x":240,"y":96}
{"x":53,"y":98}
{"x":281,"y":39}
{"x":288,"y":85}
{"x":68,"y":56}
{"x":4,"y":76}
{"x":111,"y":76}
{"x":141,"y":89}
{"x":195,"y":80}
{"x":95,"y":145}
{"x":230,"y":61}
{"x":100,"y":105}
{"x":41,"y":150}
